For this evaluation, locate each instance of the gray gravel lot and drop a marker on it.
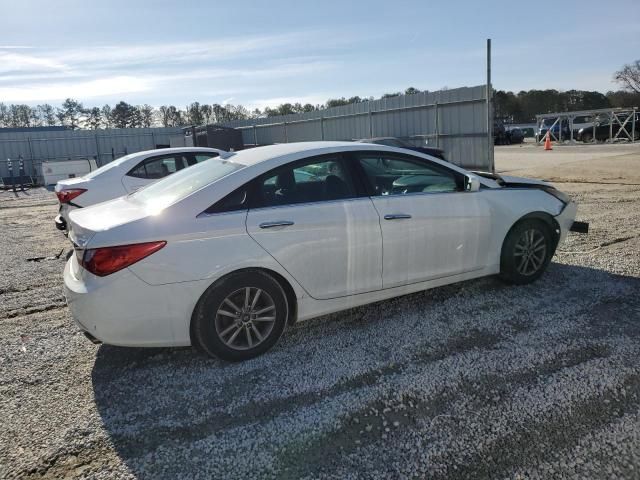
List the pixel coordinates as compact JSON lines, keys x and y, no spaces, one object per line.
{"x":473,"y":380}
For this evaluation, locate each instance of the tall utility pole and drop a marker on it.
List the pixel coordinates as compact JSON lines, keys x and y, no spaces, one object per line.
{"x":489,"y":109}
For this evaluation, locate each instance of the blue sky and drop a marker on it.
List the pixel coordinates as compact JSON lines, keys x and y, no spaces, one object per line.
{"x":269,"y":52}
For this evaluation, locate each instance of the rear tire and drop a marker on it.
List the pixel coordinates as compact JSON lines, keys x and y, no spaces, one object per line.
{"x":526,"y":252}
{"x":241,"y":316}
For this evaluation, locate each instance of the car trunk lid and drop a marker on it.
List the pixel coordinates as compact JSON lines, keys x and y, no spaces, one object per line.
{"x":86,"y":222}
{"x":94,"y":227}
{"x":69,"y":183}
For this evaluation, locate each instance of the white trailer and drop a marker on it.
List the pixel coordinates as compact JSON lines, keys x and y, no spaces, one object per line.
{"x":52,"y":172}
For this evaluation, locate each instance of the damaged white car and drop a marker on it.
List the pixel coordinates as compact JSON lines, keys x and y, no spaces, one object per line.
{"x":227,"y":253}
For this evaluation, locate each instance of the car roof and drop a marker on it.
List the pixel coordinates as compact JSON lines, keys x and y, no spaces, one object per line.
{"x":257,"y":155}
{"x":369,"y":140}
{"x":156,"y":151}
{"x":285,"y":152}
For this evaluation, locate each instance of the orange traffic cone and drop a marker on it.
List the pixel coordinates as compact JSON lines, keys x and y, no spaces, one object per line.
{"x":547,"y":142}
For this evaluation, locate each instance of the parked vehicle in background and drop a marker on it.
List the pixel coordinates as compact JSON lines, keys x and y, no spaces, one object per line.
{"x":604,"y":129}
{"x":53,"y":172}
{"x":227,"y":253}
{"x":504,"y":134}
{"x":499,"y":133}
{"x":560,"y":126}
{"x":581,"y":121}
{"x":514,"y":135}
{"x":125,"y":175}
{"x":398,"y":143}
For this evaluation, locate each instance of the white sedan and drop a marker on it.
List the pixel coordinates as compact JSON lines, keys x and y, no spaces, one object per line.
{"x":225,"y":254}
{"x":125,"y":175}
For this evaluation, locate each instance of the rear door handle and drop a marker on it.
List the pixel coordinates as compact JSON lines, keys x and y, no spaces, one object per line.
{"x":397,"y":216}
{"x":277,"y":223}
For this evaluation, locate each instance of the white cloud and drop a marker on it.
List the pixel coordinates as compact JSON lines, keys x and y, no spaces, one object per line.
{"x":81,"y":90}
{"x":164,"y":70}
{"x":315,"y":99}
{"x":10,"y":62}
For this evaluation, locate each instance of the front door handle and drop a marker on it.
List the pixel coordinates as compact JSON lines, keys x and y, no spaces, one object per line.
{"x":277,"y":223}
{"x":397,"y":216}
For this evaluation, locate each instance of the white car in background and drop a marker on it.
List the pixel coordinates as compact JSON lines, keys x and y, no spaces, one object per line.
{"x":125,"y":175}
{"x":225,"y":254}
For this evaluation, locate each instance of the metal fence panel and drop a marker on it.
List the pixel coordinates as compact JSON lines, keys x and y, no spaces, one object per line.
{"x":104,"y":145}
{"x":455,"y":120}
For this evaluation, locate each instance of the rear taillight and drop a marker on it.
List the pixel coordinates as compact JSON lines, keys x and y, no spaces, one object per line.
{"x":65,"y":196}
{"x":107,"y":260}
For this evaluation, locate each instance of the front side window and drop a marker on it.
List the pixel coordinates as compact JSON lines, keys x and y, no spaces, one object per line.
{"x":314,"y":180}
{"x":394,"y":175}
{"x":158,"y":167}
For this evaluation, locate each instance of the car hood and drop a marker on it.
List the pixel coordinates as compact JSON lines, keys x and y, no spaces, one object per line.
{"x":512,"y":181}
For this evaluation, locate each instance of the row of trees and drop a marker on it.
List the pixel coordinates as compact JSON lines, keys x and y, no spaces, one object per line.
{"x":509,"y":107}
{"x":523,"y":106}
{"x":73,"y":114}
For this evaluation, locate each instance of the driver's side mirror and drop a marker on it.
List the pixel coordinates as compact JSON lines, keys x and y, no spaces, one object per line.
{"x":471,"y":183}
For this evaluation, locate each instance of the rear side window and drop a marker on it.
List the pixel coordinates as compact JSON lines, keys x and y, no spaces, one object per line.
{"x":157,"y":167}
{"x":167,"y":191}
{"x":388,"y":174}
{"x":315,"y":179}
{"x":235,"y":201}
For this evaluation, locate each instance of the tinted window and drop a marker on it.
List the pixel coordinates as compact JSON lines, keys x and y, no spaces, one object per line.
{"x":233,"y":202}
{"x":392,"y":175}
{"x":314,"y":180}
{"x":157,"y":167}
{"x":110,"y":165}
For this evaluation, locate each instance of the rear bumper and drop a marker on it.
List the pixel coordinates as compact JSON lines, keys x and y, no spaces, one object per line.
{"x":61,"y":223}
{"x":121,"y":309}
{"x":62,"y":219}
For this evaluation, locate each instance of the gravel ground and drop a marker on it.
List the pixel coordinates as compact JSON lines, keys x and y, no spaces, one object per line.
{"x":473,"y":380}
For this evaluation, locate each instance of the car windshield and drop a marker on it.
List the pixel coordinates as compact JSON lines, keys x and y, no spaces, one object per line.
{"x":179,"y":185}
{"x":110,"y":165}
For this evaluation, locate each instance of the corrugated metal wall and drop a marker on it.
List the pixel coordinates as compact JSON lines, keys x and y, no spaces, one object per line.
{"x":104,"y":145}
{"x":455,"y":120}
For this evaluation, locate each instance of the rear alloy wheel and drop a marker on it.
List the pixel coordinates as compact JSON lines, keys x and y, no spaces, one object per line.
{"x":245,"y":318}
{"x":526,"y":252}
{"x":241,"y":316}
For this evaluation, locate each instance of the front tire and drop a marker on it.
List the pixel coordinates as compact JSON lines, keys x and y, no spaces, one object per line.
{"x":526,"y":252}
{"x":241,"y":316}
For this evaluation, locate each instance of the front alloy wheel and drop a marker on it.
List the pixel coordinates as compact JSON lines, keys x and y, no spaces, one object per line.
{"x":526,"y":252}
{"x":530,"y":252}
